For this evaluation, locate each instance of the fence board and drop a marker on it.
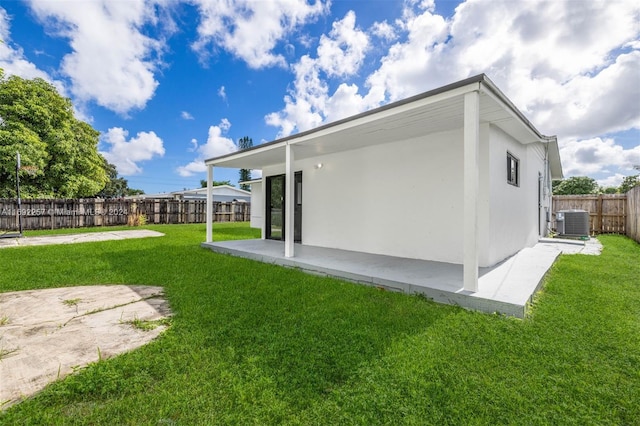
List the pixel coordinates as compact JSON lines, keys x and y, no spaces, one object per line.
{"x":633,"y":213}
{"x":607,"y":212}
{"x":78,"y":213}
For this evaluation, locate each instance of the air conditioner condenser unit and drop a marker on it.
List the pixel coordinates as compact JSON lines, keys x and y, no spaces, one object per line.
{"x":572,"y":223}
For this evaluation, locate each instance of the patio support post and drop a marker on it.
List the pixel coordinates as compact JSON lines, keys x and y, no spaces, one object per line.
{"x":267,"y":203}
{"x":471,"y":177}
{"x":209,"y":203}
{"x":289,"y":215}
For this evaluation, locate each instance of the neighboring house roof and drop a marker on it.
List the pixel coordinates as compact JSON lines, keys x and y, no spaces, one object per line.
{"x":430,"y":112}
{"x":222,"y":191}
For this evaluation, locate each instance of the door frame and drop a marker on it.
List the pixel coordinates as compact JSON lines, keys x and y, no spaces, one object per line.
{"x":297,"y":191}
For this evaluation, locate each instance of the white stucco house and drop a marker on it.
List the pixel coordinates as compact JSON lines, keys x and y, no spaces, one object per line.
{"x":466,"y":180}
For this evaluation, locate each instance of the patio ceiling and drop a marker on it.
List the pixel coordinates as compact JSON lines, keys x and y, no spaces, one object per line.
{"x":418,"y":116}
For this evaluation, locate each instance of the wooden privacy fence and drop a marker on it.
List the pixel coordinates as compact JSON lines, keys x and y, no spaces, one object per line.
{"x":633,"y":213}
{"x":78,"y":213}
{"x":607,"y":212}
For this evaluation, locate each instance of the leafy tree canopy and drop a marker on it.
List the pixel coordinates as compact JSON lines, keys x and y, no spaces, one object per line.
{"x":582,"y":185}
{"x":575,"y":185}
{"x":203,"y":183}
{"x":62,"y":150}
{"x":629,"y":183}
{"x":245,"y":174}
{"x":609,"y":190}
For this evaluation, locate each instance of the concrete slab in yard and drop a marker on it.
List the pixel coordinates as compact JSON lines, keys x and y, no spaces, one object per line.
{"x":78,"y":238}
{"x":47,"y":334}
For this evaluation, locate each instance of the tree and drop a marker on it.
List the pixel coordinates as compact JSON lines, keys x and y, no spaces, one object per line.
{"x":628,"y":183}
{"x":61,"y":150}
{"x":203,"y":183}
{"x":609,"y":190}
{"x":116,"y":186}
{"x":576,"y":185}
{"x":245,"y":174}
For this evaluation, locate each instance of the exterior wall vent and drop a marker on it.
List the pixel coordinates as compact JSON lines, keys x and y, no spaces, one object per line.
{"x":573,"y":223}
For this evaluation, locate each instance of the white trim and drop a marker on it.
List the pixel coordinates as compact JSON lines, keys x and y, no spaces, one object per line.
{"x":471,"y":178}
{"x":209,"y":203}
{"x":289,"y":213}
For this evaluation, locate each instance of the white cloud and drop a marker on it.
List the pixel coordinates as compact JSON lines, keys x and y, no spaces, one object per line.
{"x":308,"y":104}
{"x":342,"y":52}
{"x":571,"y":67}
{"x":251,"y":29}
{"x":126,"y":154}
{"x":549,"y":57}
{"x":185,"y":115}
{"x":194,"y":145}
{"x":614,"y":180}
{"x":222,"y":93}
{"x":112,"y":62}
{"x":224,"y":125}
{"x":383,"y":30}
{"x":590,"y":105}
{"x":590,"y":156}
{"x":13,"y":61}
{"x":217,"y":144}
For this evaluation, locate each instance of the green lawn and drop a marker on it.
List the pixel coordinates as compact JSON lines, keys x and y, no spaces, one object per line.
{"x":252,"y":343}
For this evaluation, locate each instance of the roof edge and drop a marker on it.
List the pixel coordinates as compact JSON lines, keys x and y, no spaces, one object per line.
{"x":480,"y":78}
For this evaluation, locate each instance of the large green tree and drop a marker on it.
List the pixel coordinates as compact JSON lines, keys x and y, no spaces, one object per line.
{"x":60,"y":150}
{"x":628,"y":183}
{"x":245,"y":174}
{"x":576,"y":185}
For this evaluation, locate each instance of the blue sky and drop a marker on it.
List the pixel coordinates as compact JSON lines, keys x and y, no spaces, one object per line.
{"x":171,"y":83}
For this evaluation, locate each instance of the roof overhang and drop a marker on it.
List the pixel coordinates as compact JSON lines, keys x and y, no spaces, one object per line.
{"x":431,"y":112}
{"x":553,"y":152}
{"x":250,"y":182}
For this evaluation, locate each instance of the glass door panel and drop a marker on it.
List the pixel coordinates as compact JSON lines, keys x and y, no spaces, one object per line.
{"x":275,"y":207}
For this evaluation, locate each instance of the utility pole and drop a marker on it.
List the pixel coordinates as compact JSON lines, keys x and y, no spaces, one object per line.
{"x":18,"y":193}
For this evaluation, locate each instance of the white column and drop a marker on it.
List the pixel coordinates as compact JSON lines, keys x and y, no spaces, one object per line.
{"x":289,"y":203}
{"x":266,"y":207}
{"x":209,"y":203}
{"x":471,"y":177}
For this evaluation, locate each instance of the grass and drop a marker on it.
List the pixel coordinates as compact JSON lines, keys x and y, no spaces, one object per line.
{"x":148,"y":325}
{"x":252,"y":343}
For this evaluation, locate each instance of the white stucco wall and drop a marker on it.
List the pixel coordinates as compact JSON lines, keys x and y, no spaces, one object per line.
{"x":405,"y":198}
{"x":257,"y":205}
{"x":401,"y":199}
{"x":513,"y":222}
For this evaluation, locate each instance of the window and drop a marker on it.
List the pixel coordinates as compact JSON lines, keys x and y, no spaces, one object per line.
{"x":513,"y":170}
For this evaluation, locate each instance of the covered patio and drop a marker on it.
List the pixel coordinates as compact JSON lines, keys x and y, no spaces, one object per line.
{"x":506,"y":288}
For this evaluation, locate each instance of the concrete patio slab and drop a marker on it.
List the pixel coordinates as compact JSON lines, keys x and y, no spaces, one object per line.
{"x":506,"y":288}
{"x":77,"y":238}
{"x":80,"y":325}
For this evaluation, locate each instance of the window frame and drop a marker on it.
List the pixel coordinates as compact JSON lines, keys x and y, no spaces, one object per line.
{"x":513,"y":170}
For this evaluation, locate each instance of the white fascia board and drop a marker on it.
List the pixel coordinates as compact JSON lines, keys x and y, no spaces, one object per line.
{"x":554,"y":158}
{"x":250,"y":182}
{"x":219,"y":161}
{"x":494,"y":93}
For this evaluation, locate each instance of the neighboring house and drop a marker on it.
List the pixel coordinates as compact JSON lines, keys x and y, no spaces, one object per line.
{"x":456,"y":175}
{"x":221,"y":193}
